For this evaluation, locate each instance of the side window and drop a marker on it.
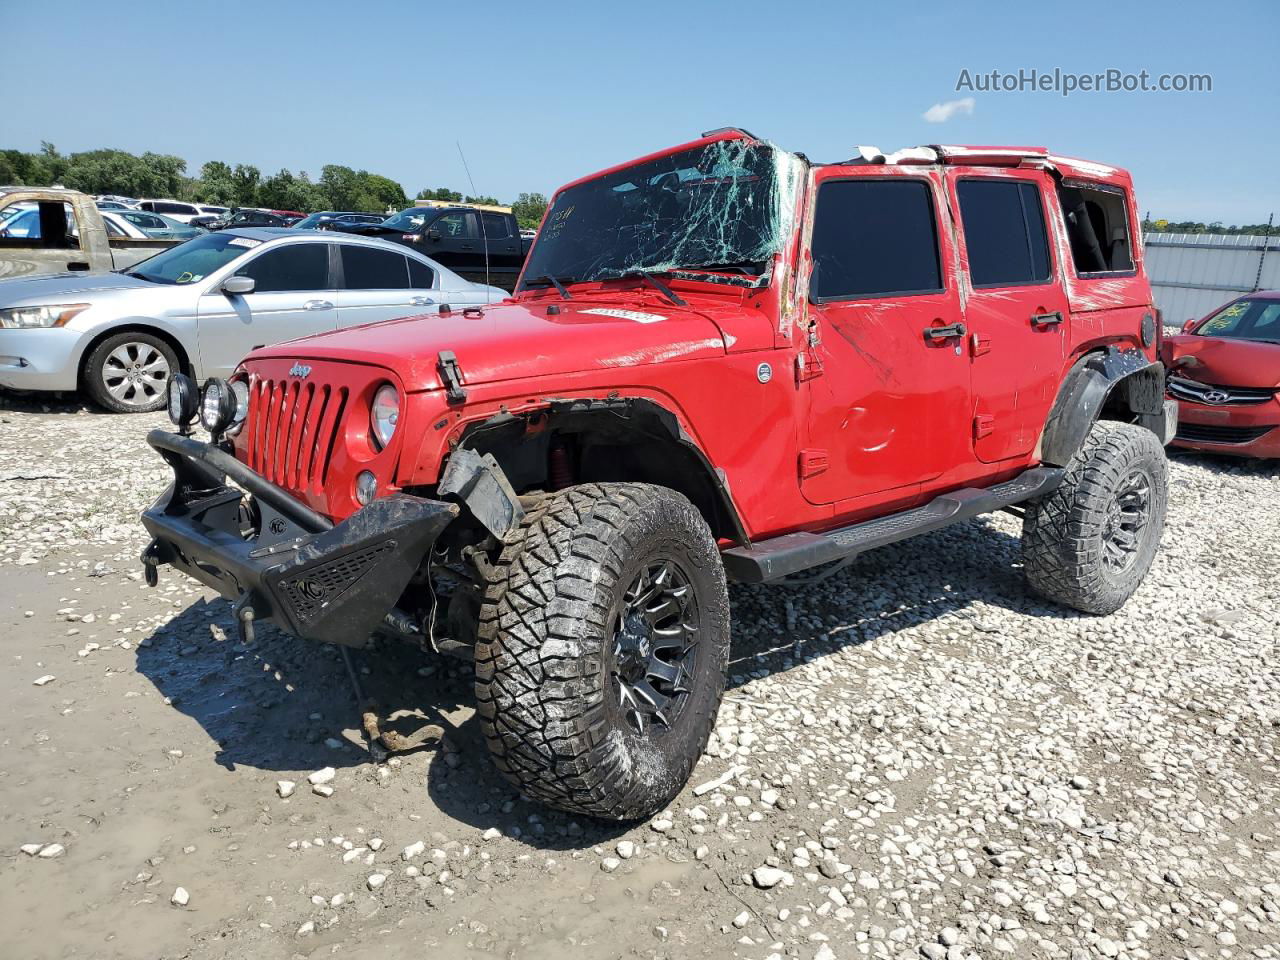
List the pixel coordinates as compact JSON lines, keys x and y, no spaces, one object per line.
{"x":112,"y":229}
{"x":456,"y":226}
{"x":496,"y":226}
{"x":366,"y":268}
{"x":421,"y":277}
{"x":1098,"y":228}
{"x":875,"y":238}
{"x":1004,"y":232}
{"x":294,"y":267}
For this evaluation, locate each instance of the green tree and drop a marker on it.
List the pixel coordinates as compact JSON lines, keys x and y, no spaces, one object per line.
{"x":529,"y":208}
{"x":244,"y":185}
{"x":439,"y":193}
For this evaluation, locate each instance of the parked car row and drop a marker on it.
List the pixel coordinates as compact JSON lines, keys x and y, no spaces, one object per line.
{"x":204,"y":304}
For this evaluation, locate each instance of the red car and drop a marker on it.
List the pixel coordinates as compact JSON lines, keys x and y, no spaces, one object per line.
{"x":1224,"y":371}
{"x":722,"y":361}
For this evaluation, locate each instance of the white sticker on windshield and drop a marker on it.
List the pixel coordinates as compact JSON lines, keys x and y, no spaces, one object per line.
{"x":243,"y":242}
{"x":635,"y":315}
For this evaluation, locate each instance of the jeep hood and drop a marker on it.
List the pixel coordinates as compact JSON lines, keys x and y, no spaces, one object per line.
{"x":1223,"y":361}
{"x":514,"y":341}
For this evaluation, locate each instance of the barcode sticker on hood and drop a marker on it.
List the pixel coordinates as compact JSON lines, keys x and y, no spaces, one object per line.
{"x":635,"y":315}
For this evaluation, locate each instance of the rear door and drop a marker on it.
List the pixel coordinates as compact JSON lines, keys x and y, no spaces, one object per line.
{"x":293,"y":297}
{"x":379,"y":285}
{"x":503,"y":243}
{"x":887,"y":379}
{"x":1016,"y":310}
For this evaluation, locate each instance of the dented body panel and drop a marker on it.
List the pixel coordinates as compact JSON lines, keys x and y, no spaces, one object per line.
{"x":810,"y":415}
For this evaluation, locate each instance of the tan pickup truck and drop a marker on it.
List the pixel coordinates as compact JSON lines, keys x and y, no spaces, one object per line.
{"x":46,"y":230}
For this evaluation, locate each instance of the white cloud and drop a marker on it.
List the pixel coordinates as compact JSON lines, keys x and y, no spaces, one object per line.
{"x":942,"y":112}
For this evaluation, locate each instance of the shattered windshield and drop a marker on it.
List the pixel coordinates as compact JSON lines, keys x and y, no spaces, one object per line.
{"x":716,"y":206}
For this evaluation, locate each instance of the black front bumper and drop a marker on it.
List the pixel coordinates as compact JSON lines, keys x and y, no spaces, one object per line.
{"x":276,"y":558}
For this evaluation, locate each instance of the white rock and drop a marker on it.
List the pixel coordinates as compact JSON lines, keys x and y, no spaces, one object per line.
{"x":493,"y":833}
{"x":766,"y":878}
{"x":610,"y":864}
{"x":323,"y":775}
{"x":41,"y":681}
{"x":307,"y":929}
{"x":51,"y":850}
{"x":180,"y":897}
{"x":626,"y":849}
{"x":742,"y":919}
{"x":322,"y":790}
{"x":285,"y":788}
{"x":376,"y":880}
{"x":31,"y":849}
{"x":415,"y":849}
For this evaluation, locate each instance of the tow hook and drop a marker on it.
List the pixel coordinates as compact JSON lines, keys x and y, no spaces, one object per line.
{"x":151,"y":563}
{"x":245,"y":616}
{"x":388,"y":740}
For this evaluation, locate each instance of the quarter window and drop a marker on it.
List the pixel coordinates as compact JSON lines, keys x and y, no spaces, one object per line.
{"x":421,"y":277}
{"x":875,"y":238}
{"x":1098,"y":228}
{"x":294,"y":267}
{"x":366,"y":268}
{"x":1004,"y":232}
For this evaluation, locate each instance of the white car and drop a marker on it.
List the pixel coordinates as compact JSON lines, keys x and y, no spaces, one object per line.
{"x":180,"y":209}
{"x":199,"y":307}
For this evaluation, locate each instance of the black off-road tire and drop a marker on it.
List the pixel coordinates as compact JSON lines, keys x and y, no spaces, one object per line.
{"x":1066,"y":534}
{"x":157,"y":363}
{"x":547,"y":688}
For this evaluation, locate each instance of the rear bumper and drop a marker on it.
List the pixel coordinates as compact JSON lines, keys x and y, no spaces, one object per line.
{"x":1246,"y":430}
{"x":275,"y":558}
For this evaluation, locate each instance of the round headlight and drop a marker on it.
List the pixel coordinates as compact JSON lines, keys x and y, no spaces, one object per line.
{"x":383,"y":414}
{"x":184,"y":400}
{"x":217,"y":407}
{"x":240,"y":391}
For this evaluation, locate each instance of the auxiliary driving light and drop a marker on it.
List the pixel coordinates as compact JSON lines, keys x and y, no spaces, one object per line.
{"x":184,"y":401}
{"x":366,"y":488}
{"x":218,"y":406}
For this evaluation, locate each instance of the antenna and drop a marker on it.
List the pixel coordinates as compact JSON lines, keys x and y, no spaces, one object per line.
{"x":484,"y":234}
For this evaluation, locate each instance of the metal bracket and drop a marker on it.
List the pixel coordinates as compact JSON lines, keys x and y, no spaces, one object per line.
{"x":478,"y":481}
{"x":451,"y":376}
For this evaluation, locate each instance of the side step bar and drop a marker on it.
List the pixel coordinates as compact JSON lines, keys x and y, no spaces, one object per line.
{"x":796,"y":552}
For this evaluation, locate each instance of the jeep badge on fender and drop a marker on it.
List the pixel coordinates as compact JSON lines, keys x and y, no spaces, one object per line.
{"x":579,"y":469}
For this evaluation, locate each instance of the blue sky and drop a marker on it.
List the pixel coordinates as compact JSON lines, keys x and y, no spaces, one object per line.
{"x":540,"y":93}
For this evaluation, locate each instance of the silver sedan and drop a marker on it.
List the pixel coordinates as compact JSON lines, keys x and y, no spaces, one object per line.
{"x":201,"y":306}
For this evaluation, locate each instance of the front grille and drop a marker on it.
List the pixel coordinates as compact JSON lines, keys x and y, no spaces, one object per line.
{"x":1211,"y":433}
{"x":1213,"y":395}
{"x":292,"y":429}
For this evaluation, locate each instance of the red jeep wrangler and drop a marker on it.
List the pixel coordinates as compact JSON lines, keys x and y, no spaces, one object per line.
{"x":722,"y":361}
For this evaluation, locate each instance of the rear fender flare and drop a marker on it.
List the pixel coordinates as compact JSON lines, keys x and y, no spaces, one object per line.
{"x":1108,"y":379}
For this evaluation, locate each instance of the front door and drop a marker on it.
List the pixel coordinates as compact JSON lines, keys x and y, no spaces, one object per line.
{"x":888,"y":376}
{"x":292,"y":297}
{"x":453,"y":239}
{"x":1016,"y":312}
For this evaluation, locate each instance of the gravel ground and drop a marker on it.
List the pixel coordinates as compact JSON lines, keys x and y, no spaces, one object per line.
{"x":913,"y":759}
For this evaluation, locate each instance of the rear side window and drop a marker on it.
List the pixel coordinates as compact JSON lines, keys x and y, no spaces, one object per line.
{"x":875,"y":238}
{"x":288,"y":269}
{"x":1004,"y":232}
{"x":1098,"y":227}
{"x":366,"y":268}
{"x":421,"y":277}
{"x":495,"y":226}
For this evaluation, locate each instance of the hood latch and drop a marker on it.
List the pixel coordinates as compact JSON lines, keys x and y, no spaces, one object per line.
{"x":451,"y":376}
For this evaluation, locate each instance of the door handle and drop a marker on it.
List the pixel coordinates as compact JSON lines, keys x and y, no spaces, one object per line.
{"x":1042,"y":320}
{"x":934,"y":334}
{"x":77,"y":265}
{"x":421,"y":301}
{"x":317,"y":305}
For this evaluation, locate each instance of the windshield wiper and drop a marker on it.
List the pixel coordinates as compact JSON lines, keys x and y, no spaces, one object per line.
{"x":555,"y":282}
{"x":657,"y":284}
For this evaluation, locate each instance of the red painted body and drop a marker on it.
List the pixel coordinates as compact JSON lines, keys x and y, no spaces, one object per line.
{"x":863,"y":417}
{"x":1238,"y":413}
